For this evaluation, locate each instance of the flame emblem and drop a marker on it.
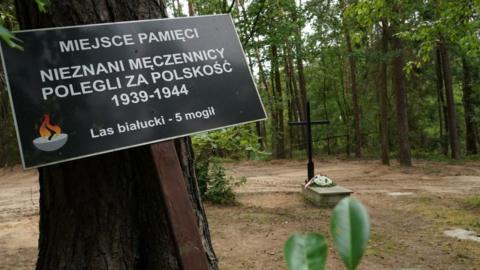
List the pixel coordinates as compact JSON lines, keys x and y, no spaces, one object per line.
{"x":51,"y":136}
{"x":47,"y":130}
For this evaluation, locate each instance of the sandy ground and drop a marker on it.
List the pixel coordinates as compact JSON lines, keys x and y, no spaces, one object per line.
{"x":407,"y":229}
{"x":18,"y":219}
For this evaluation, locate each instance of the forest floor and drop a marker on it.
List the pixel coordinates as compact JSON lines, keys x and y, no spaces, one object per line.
{"x":409,"y":208}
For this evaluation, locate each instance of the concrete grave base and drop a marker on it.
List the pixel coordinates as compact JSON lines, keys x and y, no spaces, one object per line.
{"x":325,"y":196}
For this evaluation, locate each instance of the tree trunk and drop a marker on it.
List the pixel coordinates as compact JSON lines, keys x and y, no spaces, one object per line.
{"x":301,"y":77}
{"x":398,"y":74}
{"x":298,"y":134}
{"x":8,"y":146}
{"x":278,"y":130}
{"x":108,"y":211}
{"x":469,"y":107}
{"x":302,"y":89}
{"x":442,"y":109}
{"x":291,"y":105}
{"x":452,"y":114}
{"x":179,"y":12}
{"x":259,"y":126}
{"x":299,"y":62}
{"x":347,"y":111}
{"x":263,"y":79}
{"x":325,"y":111}
{"x":191,"y":8}
{"x":383,"y":96}
{"x":353,"y":87}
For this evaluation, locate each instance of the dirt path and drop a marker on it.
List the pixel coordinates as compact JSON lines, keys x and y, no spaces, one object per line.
{"x":18,"y":219}
{"x":362,"y":176}
{"x":407,"y":229}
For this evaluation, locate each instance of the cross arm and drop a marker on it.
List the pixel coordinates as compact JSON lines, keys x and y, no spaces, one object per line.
{"x":317,"y":122}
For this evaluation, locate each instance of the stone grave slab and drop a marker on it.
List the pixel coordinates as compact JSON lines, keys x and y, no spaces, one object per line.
{"x":325,"y":196}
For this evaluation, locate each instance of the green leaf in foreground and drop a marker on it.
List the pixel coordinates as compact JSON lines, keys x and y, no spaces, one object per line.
{"x":350,"y":231}
{"x":306,"y":252}
{"x":9,"y":38}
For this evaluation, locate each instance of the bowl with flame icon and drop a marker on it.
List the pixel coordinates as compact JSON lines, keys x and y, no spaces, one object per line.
{"x":51,"y":136}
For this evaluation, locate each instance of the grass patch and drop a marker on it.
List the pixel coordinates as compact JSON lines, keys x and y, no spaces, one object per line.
{"x":383,"y":245}
{"x":472,"y":202}
{"x":449,"y":212}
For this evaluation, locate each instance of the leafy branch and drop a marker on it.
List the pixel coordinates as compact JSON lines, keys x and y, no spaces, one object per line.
{"x":350,"y":229}
{"x":9,"y":38}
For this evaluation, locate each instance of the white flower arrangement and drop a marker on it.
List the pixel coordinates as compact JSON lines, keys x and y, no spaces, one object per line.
{"x":320,"y":181}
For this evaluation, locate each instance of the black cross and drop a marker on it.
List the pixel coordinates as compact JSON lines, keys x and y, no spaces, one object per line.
{"x":309,"y":123}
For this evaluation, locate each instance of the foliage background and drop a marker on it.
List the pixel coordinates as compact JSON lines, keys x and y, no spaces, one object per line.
{"x":299,"y":50}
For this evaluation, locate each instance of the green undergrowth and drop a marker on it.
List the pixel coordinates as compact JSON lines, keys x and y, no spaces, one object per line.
{"x":215,"y":186}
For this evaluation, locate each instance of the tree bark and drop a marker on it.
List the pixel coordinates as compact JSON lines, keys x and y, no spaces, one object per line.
{"x":401,"y":103}
{"x":325,"y":111}
{"x":107,"y":211}
{"x":442,"y":108}
{"x":263,"y":79}
{"x":469,"y":107}
{"x":297,"y":134}
{"x":301,"y":90}
{"x":292,"y":112}
{"x":383,"y":96}
{"x":191,"y":8}
{"x":278,"y":136}
{"x":8,"y":146}
{"x":452,"y":113}
{"x":259,"y":126}
{"x":357,"y":132}
{"x":353,"y":87}
{"x":347,"y":112}
{"x":299,"y":62}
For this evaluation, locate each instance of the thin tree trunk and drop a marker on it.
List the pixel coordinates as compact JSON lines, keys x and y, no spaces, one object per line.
{"x":302,"y":89}
{"x":477,"y":135}
{"x":339,"y":104}
{"x":264,"y":81}
{"x":353,"y":87}
{"x":191,"y":8}
{"x":8,"y":150}
{"x":290,"y":105}
{"x":179,"y":9}
{"x":325,"y":111}
{"x":383,"y":96}
{"x":300,"y":67}
{"x":278,"y":131}
{"x":297,"y":107}
{"x":107,"y":211}
{"x":274,"y":113}
{"x":452,"y":114}
{"x":258,"y":125}
{"x":475,"y":81}
{"x":442,"y":109}
{"x":469,"y":107}
{"x":348,"y":113}
{"x":401,"y":103}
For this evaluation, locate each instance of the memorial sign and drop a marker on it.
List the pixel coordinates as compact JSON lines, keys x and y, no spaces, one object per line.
{"x":85,"y":90}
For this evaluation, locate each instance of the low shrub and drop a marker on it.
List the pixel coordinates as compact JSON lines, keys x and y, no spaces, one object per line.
{"x":215,"y":186}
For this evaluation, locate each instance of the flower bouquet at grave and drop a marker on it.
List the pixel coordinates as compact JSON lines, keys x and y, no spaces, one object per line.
{"x":320,"y":181}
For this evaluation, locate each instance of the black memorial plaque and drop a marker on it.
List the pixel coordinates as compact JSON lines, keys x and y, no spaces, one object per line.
{"x":85,"y":90}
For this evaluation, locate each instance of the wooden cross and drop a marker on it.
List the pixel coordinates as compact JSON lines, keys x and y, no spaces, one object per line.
{"x":309,"y":123}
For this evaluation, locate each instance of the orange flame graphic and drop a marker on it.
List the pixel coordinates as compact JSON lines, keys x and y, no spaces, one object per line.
{"x":47,"y":129}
